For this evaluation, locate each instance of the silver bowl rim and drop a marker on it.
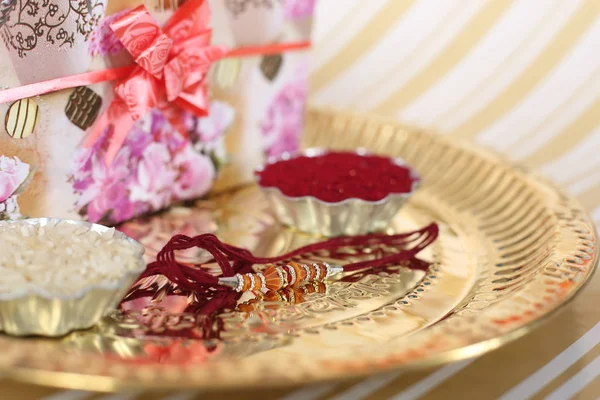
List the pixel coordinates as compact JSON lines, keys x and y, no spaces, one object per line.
{"x":318,"y":151}
{"x":102,"y":285}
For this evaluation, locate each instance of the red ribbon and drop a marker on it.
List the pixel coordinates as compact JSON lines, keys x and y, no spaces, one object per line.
{"x":171,"y":65}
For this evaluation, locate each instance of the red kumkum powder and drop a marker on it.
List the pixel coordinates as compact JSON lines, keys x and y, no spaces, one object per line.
{"x":337,"y":176}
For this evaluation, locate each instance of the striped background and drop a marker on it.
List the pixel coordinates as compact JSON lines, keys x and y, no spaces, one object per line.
{"x":522,"y":77}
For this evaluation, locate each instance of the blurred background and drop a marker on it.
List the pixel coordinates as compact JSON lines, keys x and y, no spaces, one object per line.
{"x":521,"y":77}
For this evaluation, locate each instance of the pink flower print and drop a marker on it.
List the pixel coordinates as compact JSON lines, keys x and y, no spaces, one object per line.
{"x":156,"y":166}
{"x":155,"y":177}
{"x":188,"y":121}
{"x":196,"y":174}
{"x":13,"y":173}
{"x":101,"y":176}
{"x":162,"y":132}
{"x":103,"y":41}
{"x":219,"y":119}
{"x":285,"y":119}
{"x":81,"y":169}
{"x":103,"y":190}
{"x":174,"y":140}
{"x":106,"y":191}
{"x":298,"y":9}
{"x":114,"y":203}
{"x":137,"y":140}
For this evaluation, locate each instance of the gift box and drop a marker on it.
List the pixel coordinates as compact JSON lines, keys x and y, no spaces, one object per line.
{"x":152,"y":109}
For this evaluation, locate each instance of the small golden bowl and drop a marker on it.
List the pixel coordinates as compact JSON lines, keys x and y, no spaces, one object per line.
{"x":352,"y":216}
{"x":38,"y":312}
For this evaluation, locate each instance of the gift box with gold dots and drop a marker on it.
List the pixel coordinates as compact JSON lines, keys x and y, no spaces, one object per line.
{"x":255,"y":107}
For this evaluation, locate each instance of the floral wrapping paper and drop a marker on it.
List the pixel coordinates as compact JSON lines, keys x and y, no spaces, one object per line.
{"x":257,"y":109}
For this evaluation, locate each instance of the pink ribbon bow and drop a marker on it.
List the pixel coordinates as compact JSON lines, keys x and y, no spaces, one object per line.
{"x":170,"y":74}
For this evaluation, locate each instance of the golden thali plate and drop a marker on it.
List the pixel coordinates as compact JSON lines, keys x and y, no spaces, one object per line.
{"x":512,"y":250}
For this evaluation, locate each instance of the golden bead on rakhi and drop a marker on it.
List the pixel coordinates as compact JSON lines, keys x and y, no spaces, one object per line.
{"x":275,"y":277}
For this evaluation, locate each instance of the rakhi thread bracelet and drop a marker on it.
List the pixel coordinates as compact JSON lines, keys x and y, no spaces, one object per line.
{"x":236,"y":263}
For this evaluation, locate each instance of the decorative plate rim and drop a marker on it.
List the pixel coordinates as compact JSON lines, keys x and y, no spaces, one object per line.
{"x":147,"y":377}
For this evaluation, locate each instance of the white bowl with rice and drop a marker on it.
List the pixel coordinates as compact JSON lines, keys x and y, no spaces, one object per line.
{"x":57,"y":276}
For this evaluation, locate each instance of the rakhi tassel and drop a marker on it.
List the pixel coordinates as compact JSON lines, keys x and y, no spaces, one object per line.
{"x":236,"y":263}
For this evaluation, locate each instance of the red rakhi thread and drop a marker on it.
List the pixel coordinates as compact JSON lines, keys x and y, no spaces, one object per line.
{"x":235,"y":261}
{"x":115,"y":74}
